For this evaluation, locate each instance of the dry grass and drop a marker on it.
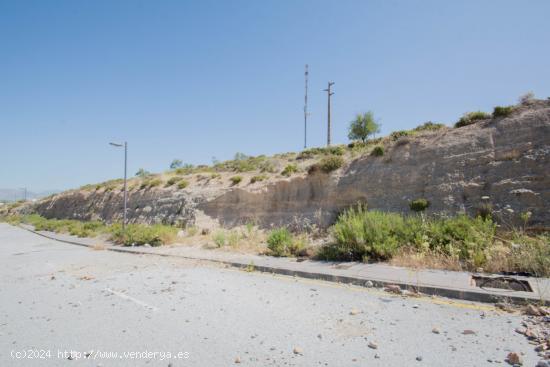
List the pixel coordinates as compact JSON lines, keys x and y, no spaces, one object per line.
{"x":244,"y":239}
{"x":98,"y":247}
{"x":411,"y":258}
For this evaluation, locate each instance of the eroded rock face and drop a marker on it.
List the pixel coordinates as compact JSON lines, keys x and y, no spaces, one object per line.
{"x":505,"y":159}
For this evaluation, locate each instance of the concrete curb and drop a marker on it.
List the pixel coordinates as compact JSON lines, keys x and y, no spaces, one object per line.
{"x":460,"y":294}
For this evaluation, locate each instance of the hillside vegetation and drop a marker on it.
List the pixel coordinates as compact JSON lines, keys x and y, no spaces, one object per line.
{"x":427,"y":187}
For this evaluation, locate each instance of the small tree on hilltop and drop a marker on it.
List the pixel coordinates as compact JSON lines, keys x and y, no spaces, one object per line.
{"x":176,"y":163}
{"x":363,"y":126}
{"x":142,"y":173}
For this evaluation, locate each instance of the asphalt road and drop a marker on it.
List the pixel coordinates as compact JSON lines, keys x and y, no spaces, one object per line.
{"x":135,"y":310}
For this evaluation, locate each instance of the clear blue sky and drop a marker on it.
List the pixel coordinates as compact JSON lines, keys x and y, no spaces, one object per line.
{"x":197,"y":79}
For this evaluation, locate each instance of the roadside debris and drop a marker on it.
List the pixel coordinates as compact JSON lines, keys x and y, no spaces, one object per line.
{"x":505,"y":307}
{"x":393,"y":288}
{"x":536,"y":328}
{"x":533,"y":310}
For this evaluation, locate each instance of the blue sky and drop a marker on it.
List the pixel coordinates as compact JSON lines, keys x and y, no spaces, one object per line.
{"x":197,"y":79}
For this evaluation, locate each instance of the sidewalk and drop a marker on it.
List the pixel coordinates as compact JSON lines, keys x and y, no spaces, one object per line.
{"x":452,"y":284}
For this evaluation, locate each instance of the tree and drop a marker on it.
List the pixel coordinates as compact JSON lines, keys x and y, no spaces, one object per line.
{"x":240,"y":156}
{"x":142,"y":173}
{"x":363,"y":126}
{"x":176,"y":163}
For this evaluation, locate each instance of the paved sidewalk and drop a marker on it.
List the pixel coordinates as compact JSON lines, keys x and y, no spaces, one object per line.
{"x":452,"y":284}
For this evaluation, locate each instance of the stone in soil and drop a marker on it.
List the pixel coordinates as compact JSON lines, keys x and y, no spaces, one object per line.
{"x":514,"y":359}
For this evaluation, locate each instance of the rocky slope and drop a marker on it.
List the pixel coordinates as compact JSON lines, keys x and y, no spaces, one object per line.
{"x":504,"y":162}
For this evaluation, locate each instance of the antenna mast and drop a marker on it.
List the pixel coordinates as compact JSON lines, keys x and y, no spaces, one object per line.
{"x":305,"y":109}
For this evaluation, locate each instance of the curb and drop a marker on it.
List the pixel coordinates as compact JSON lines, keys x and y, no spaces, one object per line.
{"x":459,"y":294}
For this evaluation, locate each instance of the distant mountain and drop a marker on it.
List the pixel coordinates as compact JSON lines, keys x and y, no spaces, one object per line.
{"x":19,"y":194}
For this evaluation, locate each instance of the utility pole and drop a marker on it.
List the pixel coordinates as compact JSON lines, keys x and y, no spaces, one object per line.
{"x":329,"y":93}
{"x":125,"y":185}
{"x":305,"y":110}
{"x":125,"y":145}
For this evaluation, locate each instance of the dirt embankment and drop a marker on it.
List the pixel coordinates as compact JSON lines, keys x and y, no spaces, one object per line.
{"x":502,"y":162}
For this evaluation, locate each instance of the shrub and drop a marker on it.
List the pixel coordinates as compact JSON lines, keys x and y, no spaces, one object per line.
{"x":358,"y":145}
{"x":219,"y":238}
{"x":306,"y":154}
{"x":150,"y":182}
{"x":155,"y":182}
{"x":429,"y":126}
{"x":419,"y":205}
{"x":312,"y":152}
{"x":240,"y":156}
{"x":173,"y":180}
{"x":282,"y":243}
{"x":139,"y":234}
{"x":334,"y":150}
{"x":183,"y":184}
{"x":85,"y":229}
{"x":243,"y":163}
{"x":362,"y":234}
{"x":142,"y":173}
{"x":462,"y":237}
{"x":192,"y":230}
{"x":530,"y":254}
{"x":501,"y":111}
{"x":184,"y":170}
{"x":215,"y":176}
{"x":331,"y":163}
{"x":378,"y":151}
{"x":235,"y":180}
{"x":527,"y":98}
{"x":258,"y":178}
{"x":471,"y":117}
{"x":289,"y":170}
{"x":398,"y":134}
{"x":485,"y":211}
{"x":176,"y":163}
{"x":267,"y":166}
{"x":233,"y":238}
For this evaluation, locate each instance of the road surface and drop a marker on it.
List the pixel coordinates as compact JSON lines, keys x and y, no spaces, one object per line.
{"x":67,"y":305}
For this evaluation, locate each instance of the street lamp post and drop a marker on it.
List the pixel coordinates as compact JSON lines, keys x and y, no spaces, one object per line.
{"x":125,"y":145}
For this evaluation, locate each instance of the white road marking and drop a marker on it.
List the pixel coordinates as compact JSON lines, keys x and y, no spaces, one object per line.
{"x":129,"y":298}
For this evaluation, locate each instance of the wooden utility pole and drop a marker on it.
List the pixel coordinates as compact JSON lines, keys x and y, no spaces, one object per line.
{"x":329,"y":93}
